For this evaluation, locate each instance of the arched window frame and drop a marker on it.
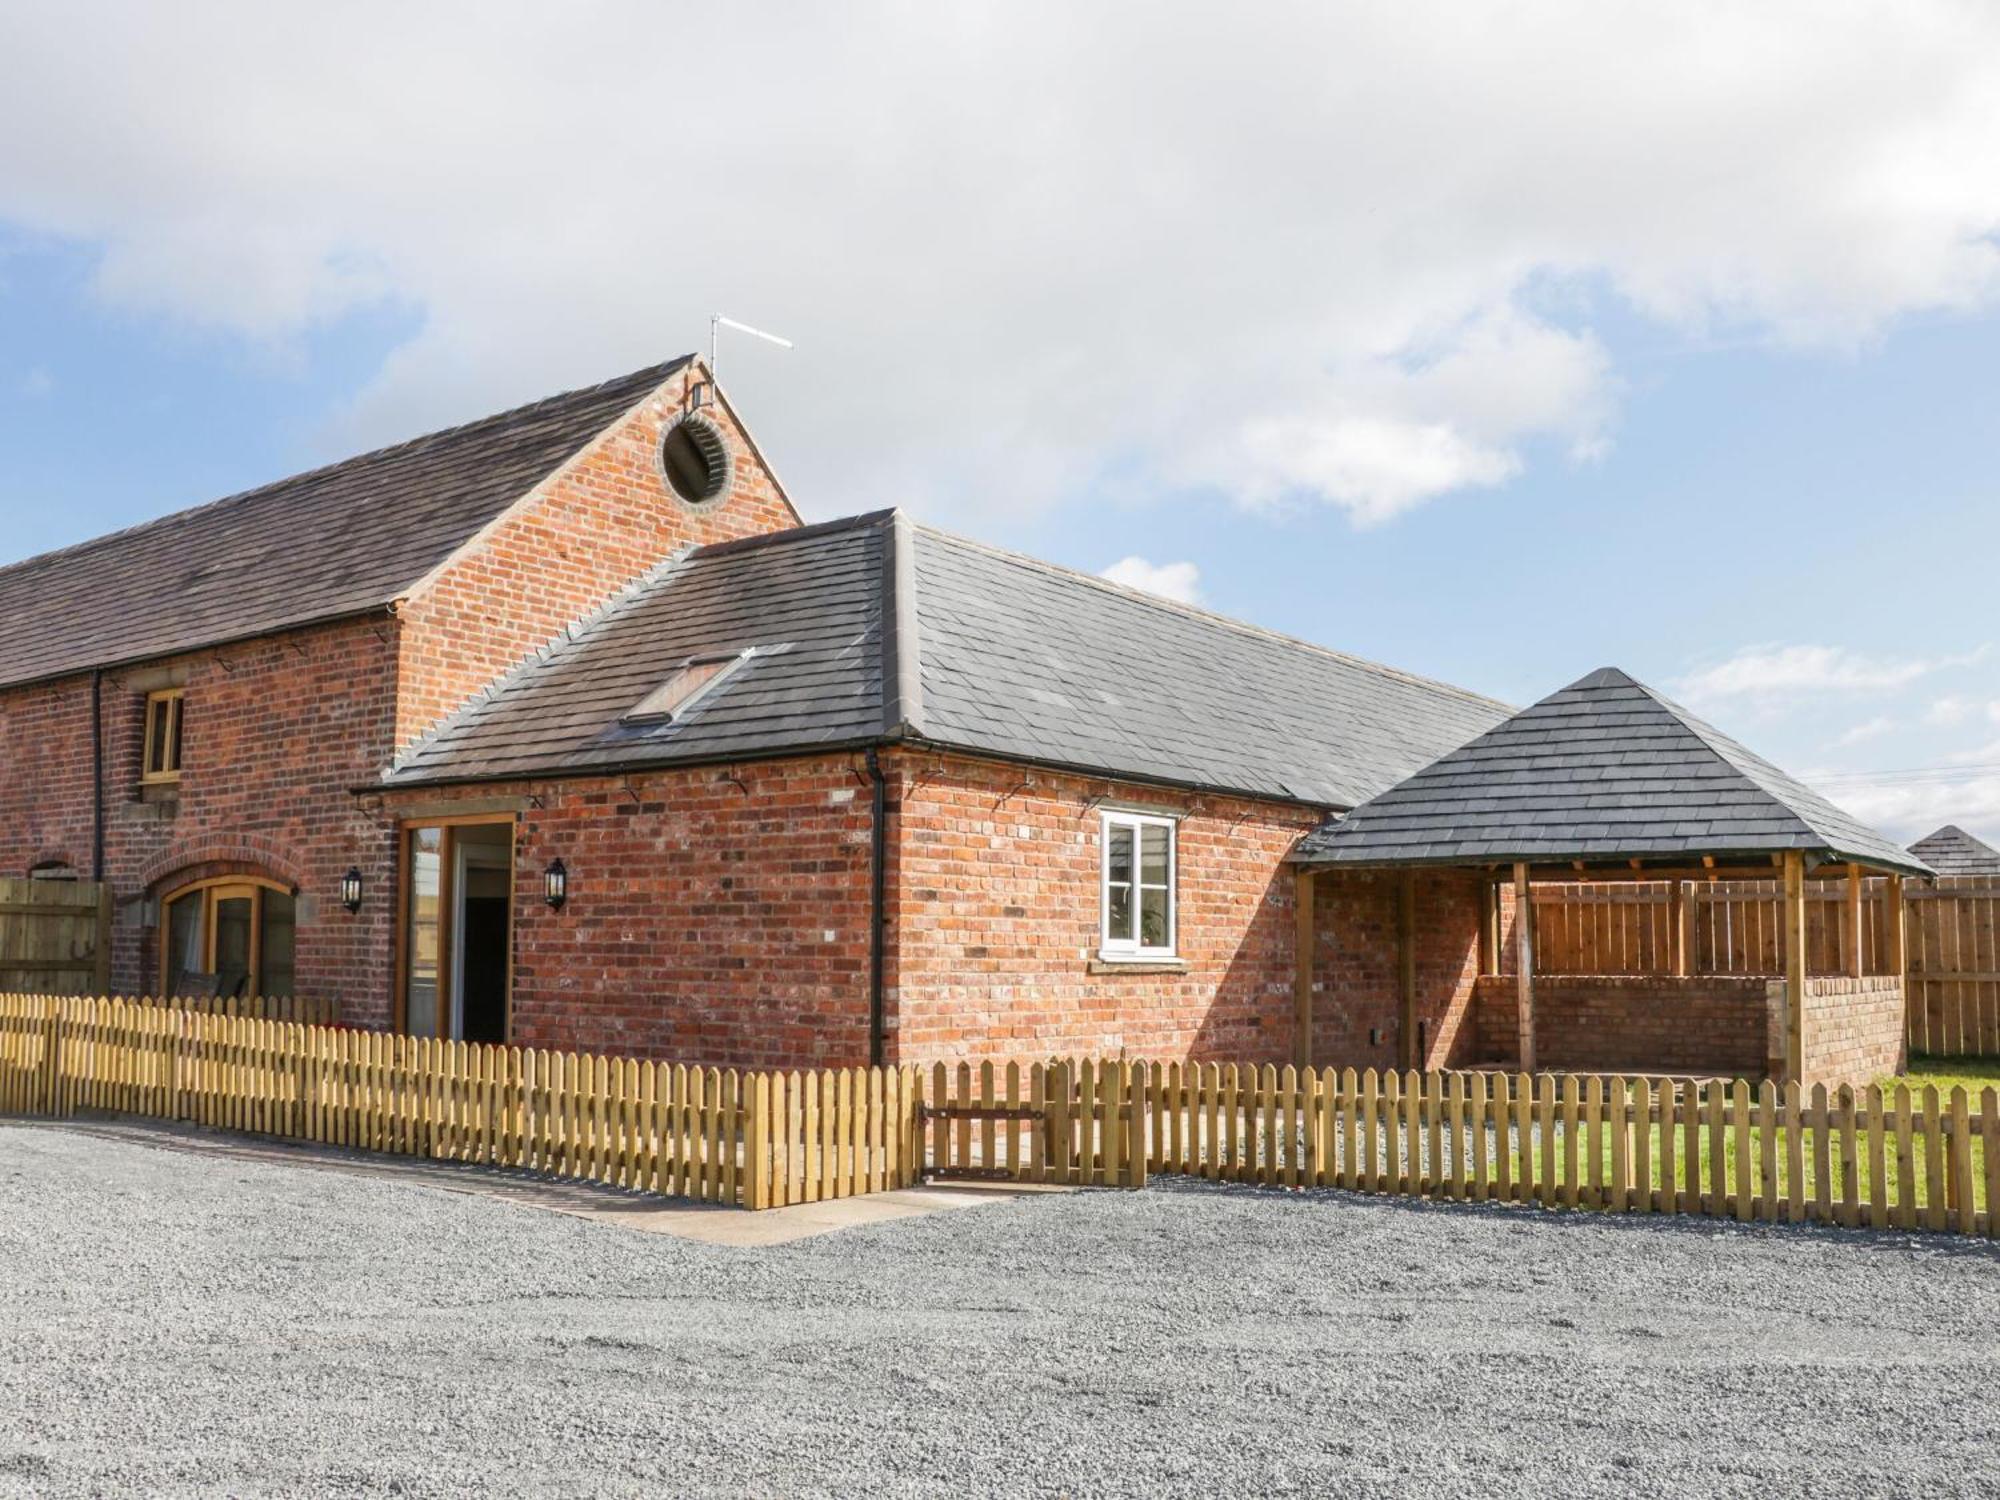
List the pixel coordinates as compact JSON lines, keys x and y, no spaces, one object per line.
{"x":209,"y":890}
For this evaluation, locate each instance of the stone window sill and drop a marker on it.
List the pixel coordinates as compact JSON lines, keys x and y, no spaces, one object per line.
{"x":1102,"y":965}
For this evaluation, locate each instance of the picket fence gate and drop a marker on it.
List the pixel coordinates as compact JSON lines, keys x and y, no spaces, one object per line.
{"x":1896,"y":1159}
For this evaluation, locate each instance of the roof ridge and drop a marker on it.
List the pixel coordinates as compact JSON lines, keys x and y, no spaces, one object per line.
{"x":658,"y":372}
{"x":590,"y":619}
{"x":757,"y":541}
{"x":902,"y":646}
{"x":1215,"y":617}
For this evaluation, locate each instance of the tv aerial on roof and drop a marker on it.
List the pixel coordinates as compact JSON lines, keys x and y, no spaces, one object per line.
{"x":717,"y":322}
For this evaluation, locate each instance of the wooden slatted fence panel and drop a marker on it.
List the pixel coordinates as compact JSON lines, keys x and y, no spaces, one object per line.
{"x":1735,"y":927}
{"x":55,"y":936}
{"x":1952,"y":942}
{"x":1954,"y":954}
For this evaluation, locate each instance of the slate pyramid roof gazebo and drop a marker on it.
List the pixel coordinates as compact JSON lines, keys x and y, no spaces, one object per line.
{"x":1608,"y":779}
{"x":1950,"y":850}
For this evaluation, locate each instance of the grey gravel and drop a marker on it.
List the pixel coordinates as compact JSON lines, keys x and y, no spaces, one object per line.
{"x":175,"y":1324}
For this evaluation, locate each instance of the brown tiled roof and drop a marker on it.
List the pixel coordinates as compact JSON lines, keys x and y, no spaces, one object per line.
{"x":337,"y":541}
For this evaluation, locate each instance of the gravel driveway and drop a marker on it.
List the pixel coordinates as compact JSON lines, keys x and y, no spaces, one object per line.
{"x":172,"y":1324}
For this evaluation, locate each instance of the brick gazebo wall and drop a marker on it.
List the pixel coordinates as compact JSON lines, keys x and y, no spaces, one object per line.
{"x":1713,"y":1025}
{"x":1855,"y":1029}
{"x":1619,"y":1023}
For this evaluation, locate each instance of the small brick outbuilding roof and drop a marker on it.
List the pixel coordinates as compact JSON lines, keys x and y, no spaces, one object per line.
{"x":335,"y":542}
{"x":1950,"y":850}
{"x":876,"y":630}
{"x":1606,"y":769}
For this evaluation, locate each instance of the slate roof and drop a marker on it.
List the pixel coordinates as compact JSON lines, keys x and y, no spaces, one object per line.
{"x":1604,"y":769}
{"x":875,"y":629}
{"x":810,"y":600}
{"x":1950,"y":850}
{"x":338,"y":541}
{"x":1021,"y":658}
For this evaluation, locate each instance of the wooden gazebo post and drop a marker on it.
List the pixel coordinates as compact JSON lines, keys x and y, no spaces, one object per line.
{"x":1302,"y":969}
{"x":1524,"y":968}
{"x":1795,"y":966}
{"x":1406,"y":968}
{"x":1895,"y":948}
{"x":1855,"y":967}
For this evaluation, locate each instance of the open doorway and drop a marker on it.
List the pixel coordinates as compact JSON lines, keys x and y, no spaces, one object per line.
{"x":458,"y":884}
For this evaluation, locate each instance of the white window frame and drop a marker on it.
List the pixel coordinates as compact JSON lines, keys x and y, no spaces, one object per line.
{"x":1132,"y":948}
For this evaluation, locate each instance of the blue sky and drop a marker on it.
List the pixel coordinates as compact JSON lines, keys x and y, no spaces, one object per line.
{"x":1503,"y":374}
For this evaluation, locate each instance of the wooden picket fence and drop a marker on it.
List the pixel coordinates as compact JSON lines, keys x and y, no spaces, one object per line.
{"x":1081,"y":1122}
{"x":1630,"y":1145}
{"x":765,"y":1139}
{"x":718,"y":1135}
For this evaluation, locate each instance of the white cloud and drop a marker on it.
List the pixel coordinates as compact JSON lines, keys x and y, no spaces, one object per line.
{"x":1909,"y":810}
{"x":1867,"y":729}
{"x":1175,"y":580}
{"x":1383,"y":435}
{"x":1022,"y":246}
{"x":1792,"y":671}
{"x":1949,"y":711}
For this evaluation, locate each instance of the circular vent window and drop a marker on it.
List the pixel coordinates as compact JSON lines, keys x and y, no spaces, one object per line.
{"x":695,"y":459}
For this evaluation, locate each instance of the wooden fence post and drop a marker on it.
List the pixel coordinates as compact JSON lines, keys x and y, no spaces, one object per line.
{"x":1524,"y":969}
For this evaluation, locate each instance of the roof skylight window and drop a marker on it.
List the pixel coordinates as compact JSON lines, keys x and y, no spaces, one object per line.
{"x":685,"y":686}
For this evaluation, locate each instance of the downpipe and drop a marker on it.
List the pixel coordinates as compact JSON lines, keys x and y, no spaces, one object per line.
{"x":878,"y":917}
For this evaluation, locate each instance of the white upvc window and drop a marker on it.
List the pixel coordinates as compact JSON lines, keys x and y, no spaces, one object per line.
{"x":1137,"y":905}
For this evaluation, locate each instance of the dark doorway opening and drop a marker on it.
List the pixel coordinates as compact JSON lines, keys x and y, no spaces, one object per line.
{"x":458,"y":930}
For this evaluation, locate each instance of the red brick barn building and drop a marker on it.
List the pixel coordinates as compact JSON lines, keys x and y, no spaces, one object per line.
{"x":187,"y":705}
{"x":559,"y":727}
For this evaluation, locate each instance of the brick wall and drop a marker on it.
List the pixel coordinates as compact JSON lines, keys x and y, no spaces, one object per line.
{"x":601,"y":521}
{"x":1358,"y":967}
{"x":716,"y":916}
{"x":1710,"y":1024}
{"x":1854,"y":1029}
{"x":721,"y":916}
{"x":276,"y":732}
{"x":996,"y":891}
{"x":996,"y":880}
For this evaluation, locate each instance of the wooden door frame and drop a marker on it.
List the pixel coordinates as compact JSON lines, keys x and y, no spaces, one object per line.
{"x":406,"y":829}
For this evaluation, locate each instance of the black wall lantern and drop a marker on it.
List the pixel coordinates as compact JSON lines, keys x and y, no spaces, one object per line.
{"x":555,"y":884}
{"x":350,"y":888}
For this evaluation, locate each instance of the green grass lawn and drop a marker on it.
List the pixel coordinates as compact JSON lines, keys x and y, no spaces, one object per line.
{"x":1969,"y":1073}
{"x":1974,"y":1075}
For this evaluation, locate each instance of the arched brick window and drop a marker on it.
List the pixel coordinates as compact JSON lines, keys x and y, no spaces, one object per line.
{"x":227,"y":935}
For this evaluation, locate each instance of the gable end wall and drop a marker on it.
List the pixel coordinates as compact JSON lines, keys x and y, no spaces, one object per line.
{"x":596,"y":525}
